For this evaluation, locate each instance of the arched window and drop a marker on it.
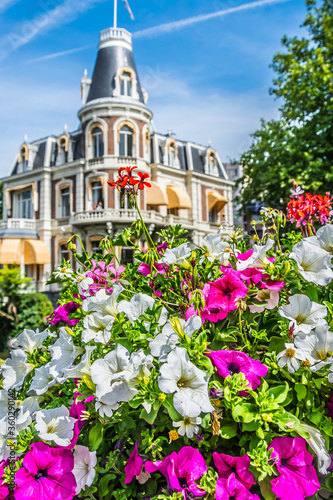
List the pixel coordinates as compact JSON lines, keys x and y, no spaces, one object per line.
{"x":65,"y":202}
{"x":171,"y":156}
{"x":24,"y":204}
{"x":97,"y":142}
{"x":24,"y":161}
{"x":63,"y":252}
{"x":126,"y":141}
{"x":97,"y":195}
{"x":63,"y":151}
{"x":126,"y":85}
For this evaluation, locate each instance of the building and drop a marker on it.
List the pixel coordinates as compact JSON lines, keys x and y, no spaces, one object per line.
{"x":58,"y":185}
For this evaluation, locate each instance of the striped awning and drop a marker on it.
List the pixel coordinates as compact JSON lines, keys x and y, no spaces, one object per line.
{"x":216,"y":201}
{"x":35,"y":252}
{"x":155,"y":196}
{"x":10,"y":251}
{"x":178,"y":198}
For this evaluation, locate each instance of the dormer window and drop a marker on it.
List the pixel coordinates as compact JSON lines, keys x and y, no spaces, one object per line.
{"x":24,"y":161}
{"x":171,"y":156}
{"x":63,"y":150}
{"x":126,"y":142}
{"x":23,"y":158}
{"x":211,"y":163}
{"x":97,"y":142}
{"x":126,"y":85}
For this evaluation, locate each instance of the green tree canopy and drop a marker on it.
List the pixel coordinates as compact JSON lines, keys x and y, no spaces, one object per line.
{"x":300,"y":144}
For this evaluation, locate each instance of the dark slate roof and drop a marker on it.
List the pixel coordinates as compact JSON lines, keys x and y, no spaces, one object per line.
{"x":198,"y":160}
{"x":109,"y":60}
{"x":40,"y":156}
{"x":182,"y":157}
{"x":77,"y":146}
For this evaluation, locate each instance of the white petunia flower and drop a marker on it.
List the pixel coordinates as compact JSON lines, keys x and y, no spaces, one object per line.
{"x":319,"y":345}
{"x":323,"y":238}
{"x":265,"y":295}
{"x":63,"y":272}
{"x":63,"y":353}
{"x":31,"y":404}
{"x":98,"y":328}
{"x":166,"y":341}
{"x":137,"y":306}
{"x":4,"y":404}
{"x":15,"y":369}
{"x":291,"y":357}
{"x":23,"y":420}
{"x":303,"y":314}
{"x":179,"y":376}
{"x":103,"y":303}
{"x":42,"y":380}
{"x":176,"y":255}
{"x":317,"y":443}
{"x":84,"y":463}
{"x":104,"y":409}
{"x":313,"y":263}
{"x":55,"y":425}
{"x":29,"y":340}
{"x":4,"y":446}
{"x":111,"y":376}
{"x":188,"y":426}
{"x":216,"y":248}
{"x":258,"y":258}
{"x":84,"y":367}
{"x":83,"y":282}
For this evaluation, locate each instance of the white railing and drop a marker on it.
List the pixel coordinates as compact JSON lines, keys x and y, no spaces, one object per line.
{"x":18,"y":224}
{"x":115,"y":215}
{"x":116,"y":33}
{"x":114,"y":162}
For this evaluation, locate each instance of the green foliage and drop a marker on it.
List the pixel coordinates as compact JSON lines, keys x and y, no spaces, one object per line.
{"x":299,"y":144}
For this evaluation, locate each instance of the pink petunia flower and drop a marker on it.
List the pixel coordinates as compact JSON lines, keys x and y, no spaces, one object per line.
{"x":46,"y":474}
{"x":329,"y":405}
{"x":239,"y":466}
{"x":227,"y":489}
{"x":225,"y":292}
{"x":231,"y":362}
{"x":133,"y":465}
{"x":4,"y":490}
{"x":181,"y":469}
{"x":62,"y":313}
{"x":146,"y":269}
{"x":298,"y":478}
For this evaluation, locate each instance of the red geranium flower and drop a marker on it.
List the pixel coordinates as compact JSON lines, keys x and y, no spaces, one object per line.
{"x":140,"y":183}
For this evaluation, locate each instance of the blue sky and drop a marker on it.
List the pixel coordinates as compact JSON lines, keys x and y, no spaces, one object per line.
{"x":207,"y":80}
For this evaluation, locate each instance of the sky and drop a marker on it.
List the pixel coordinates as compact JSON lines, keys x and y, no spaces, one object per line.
{"x":204,"y":64}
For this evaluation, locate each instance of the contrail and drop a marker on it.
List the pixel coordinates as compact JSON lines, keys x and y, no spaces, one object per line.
{"x":5,"y":4}
{"x":59,"y":54}
{"x":176,"y":25}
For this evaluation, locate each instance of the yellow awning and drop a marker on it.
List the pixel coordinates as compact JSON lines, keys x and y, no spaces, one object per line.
{"x":35,"y":252}
{"x":216,"y":201}
{"x":178,"y":198}
{"x":10,"y":252}
{"x":155,"y":196}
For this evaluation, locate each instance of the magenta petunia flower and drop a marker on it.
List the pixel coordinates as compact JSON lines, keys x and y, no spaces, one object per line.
{"x":146,"y":269}
{"x":76,"y":411}
{"x":298,"y":478}
{"x":231,"y":362}
{"x":225,"y":292}
{"x":181,"y":469}
{"x":46,"y":474}
{"x":239,"y":466}
{"x":133,"y":465}
{"x":4,"y":490}
{"x":227,"y":489}
{"x":61,"y":313}
{"x":329,"y":405}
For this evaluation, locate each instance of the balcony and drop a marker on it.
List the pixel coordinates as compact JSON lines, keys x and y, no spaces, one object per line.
{"x":115,"y":162}
{"x":18,"y":228}
{"x":123,"y":215}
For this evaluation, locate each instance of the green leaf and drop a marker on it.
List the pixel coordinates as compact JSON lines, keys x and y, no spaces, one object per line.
{"x":289,"y":423}
{"x":312,"y":293}
{"x":301,"y":391}
{"x":276,"y":344}
{"x":228,"y":431}
{"x":149,"y":417}
{"x":103,"y":488}
{"x":96,"y":436}
{"x":244,"y":412}
{"x":173,"y":414}
{"x":266,"y":489}
{"x":280,"y":393}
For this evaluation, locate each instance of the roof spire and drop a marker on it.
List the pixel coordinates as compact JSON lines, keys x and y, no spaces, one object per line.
{"x":115,"y":13}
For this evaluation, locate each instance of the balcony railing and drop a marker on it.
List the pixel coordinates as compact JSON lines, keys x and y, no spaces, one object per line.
{"x":18,"y":224}
{"x":115,"y":215}
{"x":114,"y":162}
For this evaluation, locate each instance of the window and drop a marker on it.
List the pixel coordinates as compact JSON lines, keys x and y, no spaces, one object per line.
{"x":95,"y":246}
{"x":97,"y":142}
{"x":211,"y":164}
{"x":65,"y":203}
{"x":123,"y":198}
{"x":63,"y":252}
{"x":24,"y":160}
{"x":173,"y":211}
{"x":171,"y":156}
{"x":97,"y":195}
{"x":126,"y":85}
{"x":24,"y":202}
{"x":213,"y":216}
{"x":63,"y":154}
{"x":127,"y":255}
{"x":126,"y":142}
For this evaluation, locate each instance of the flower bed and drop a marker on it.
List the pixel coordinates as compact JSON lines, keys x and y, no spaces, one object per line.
{"x":192,"y":373}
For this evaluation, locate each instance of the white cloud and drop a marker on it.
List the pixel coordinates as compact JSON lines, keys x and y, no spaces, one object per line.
{"x":176,"y":25}
{"x":6,"y":4}
{"x":46,"y":20}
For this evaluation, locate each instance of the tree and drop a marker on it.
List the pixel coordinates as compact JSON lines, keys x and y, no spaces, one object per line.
{"x":300,"y":144}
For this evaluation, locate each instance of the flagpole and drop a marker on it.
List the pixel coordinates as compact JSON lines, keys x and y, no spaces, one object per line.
{"x":115,"y":14}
